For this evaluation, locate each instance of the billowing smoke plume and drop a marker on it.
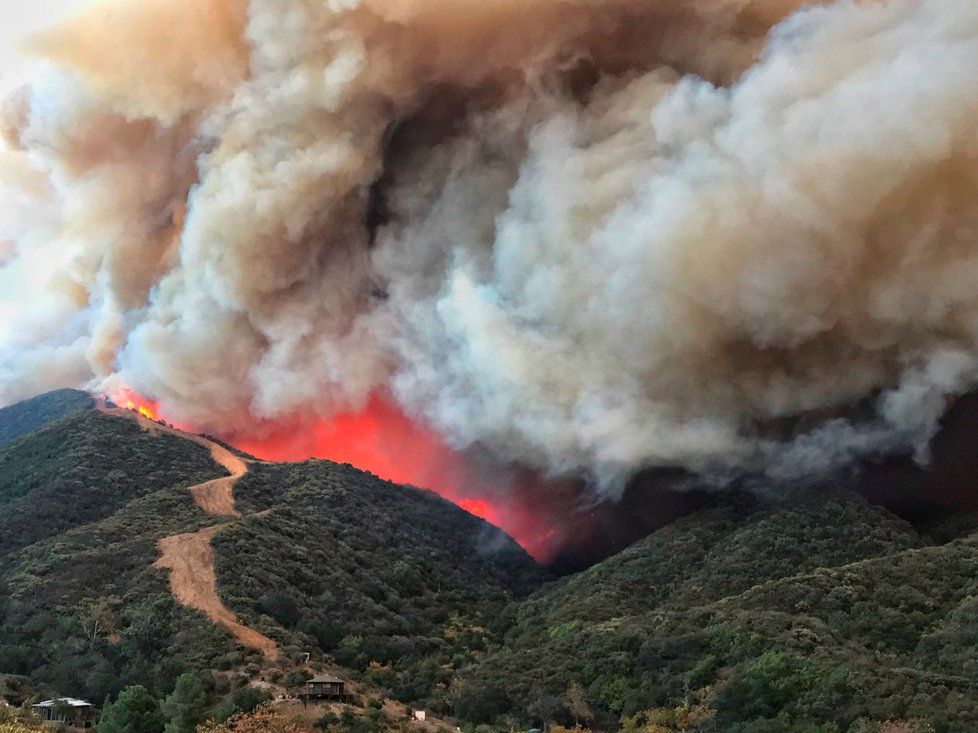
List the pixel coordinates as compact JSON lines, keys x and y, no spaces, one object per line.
{"x":589,"y":236}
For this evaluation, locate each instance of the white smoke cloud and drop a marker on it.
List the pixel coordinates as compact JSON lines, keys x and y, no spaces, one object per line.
{"x":18,"y":20}
{"x":606,"y":235}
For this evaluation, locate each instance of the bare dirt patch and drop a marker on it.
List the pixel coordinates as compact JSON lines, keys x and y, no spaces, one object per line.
{"x":217,"y":496}
{"x":190,"y":560}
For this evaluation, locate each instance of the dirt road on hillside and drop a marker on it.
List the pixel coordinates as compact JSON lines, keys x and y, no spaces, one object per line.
{"x":217,"y":496}
{"x":189,"y":558}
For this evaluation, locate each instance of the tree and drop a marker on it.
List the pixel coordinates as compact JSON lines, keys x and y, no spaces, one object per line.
{"x":62,"y":710}
{"x":545,"y":708}
{"x":98,"y":617}
{"x":134,"y":711}
{"x":575,"y":700}
{"x":280,"y":607}
{"x":184,"y":708}
{"x":259,"y":721}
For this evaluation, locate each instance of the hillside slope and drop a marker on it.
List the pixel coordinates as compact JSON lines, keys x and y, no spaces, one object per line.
{"x":83,"y":468}
{"x":23,"y":417}
{"x":82,"y":610}
{"x":85,"y":607}
{"x":394,"y":582}
{"x":810,"y":616}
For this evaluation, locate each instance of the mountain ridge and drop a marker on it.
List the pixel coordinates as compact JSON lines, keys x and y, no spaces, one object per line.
{"x":31,"y":414}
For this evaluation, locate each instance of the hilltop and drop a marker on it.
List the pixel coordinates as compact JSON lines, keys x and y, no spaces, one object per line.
{"x":34,"y":413}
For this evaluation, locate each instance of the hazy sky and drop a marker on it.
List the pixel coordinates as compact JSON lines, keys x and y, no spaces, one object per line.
{"x":19,"y":18}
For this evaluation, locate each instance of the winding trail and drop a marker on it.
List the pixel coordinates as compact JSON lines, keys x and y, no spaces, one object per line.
{"x":217,"y":496}
{"x":189,"y":558}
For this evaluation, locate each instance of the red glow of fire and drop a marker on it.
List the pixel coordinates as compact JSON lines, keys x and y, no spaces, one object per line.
{"x":381,"y":439}
{"x":478,"y":507}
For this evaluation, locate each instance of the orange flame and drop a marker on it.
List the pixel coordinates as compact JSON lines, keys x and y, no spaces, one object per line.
{"x":132,"y":401}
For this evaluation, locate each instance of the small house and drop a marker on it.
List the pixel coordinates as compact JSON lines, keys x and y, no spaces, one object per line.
{"x":73,"y":713}
{"x":326,"y":687}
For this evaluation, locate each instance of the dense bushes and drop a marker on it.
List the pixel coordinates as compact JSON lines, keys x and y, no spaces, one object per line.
{"x":84,"y":468}
{"x":811,"y":616}
{"x":778,"y":685}
{"x":390,"y":581}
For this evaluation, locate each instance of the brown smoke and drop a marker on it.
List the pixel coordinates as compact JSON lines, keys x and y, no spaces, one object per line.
{"x":588,"y":235}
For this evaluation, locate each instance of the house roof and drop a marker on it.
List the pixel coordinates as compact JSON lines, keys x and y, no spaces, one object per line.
{"x":326,"y":679}
{"x":65,"y":700}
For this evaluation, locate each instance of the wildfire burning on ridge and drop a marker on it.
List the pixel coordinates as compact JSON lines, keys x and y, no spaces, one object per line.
{"x":134,"y":402}
{"x":384,"y":441}
{"x":142,"y":410}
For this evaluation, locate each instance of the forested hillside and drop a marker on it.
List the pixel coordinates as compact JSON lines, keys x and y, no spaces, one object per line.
{"x":83,"y":468}
{"x":824,"y":613}
{"x":327,"y":560}
{"x":394,"y":582}
{"x":84,"y":501}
